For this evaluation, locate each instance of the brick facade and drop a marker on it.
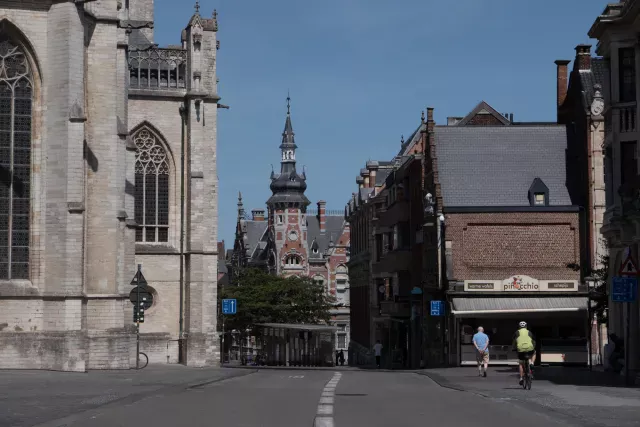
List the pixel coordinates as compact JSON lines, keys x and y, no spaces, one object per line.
{"x":500,"y":245}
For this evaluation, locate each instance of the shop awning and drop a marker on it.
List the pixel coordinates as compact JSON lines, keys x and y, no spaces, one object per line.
{"x":471,"y":306}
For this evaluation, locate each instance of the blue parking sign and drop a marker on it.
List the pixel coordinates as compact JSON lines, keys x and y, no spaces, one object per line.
{"x":229,"y":306}
{"x":437,"y":308}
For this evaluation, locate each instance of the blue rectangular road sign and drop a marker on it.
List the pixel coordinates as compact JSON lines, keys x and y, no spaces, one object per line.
{"x":229,"y":306}
{"x":624,"y":289}
{"x":437,"y":308}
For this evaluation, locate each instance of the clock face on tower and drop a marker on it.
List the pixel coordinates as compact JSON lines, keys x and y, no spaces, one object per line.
{"x":293,"y":236}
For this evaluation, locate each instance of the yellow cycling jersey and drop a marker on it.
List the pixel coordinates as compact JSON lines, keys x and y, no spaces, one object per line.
{"x":524,"y":340}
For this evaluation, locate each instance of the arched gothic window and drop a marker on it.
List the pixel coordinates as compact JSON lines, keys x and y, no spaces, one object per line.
{"x":152,"y":188}
{"x":16,"y":93}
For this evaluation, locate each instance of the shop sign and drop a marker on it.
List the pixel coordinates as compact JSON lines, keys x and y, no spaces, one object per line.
{"x":520,"y":283}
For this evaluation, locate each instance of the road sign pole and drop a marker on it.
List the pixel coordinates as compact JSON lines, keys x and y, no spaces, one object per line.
{"x":626,"y":345}
{"x":137,"y":307}
{"x":223,"y":339}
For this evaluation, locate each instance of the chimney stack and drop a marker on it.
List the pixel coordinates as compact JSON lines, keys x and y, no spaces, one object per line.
{"x":258,"y":214}
{"x":562,"y":80}
{"x":365,"y":174}
{"x":373,"y":166}
{"x":360,"y":181}
{"x":430,"y":122}
{"x":322,"y":205}
{"x":583,"y":56}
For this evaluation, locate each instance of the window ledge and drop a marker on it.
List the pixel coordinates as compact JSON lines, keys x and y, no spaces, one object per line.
{"x":155,"y":249}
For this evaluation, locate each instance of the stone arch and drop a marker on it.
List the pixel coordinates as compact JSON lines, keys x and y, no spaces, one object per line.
{"x":21,"y":76}
{"x":157,"y":154}
{"x":342,"y":269}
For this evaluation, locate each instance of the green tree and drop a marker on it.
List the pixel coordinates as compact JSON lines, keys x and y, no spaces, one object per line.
{"x":265,"y":298}
{"x":600,"y":294}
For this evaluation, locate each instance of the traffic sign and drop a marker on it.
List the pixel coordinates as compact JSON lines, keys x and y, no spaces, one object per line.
{"x":628,"y":267}
{"x":146,"y":297}
{"x":437,"y":308}
{"x":624,"y":289}
{"x":229,"y":306}
{"x":135,"y":282}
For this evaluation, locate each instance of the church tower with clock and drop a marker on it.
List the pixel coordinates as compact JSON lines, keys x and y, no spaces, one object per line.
{"x":287,"y":208}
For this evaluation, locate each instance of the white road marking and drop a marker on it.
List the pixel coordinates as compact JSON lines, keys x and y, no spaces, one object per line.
{"x":324,"y":414}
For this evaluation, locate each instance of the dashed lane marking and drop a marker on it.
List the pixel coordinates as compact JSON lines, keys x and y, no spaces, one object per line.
{"x":324,"y":414}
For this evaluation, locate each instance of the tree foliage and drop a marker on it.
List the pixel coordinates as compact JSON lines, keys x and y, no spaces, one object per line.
{"x":600,"y":294}
{"x":265,"y":298}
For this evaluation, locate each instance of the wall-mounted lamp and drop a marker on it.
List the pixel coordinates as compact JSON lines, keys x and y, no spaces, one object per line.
{"x":197,"y":103}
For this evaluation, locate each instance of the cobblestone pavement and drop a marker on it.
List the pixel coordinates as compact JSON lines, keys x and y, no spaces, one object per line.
{"x":590,"y":398}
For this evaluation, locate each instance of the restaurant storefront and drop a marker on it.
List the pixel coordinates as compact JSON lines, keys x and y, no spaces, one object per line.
{"x":555,"y":310}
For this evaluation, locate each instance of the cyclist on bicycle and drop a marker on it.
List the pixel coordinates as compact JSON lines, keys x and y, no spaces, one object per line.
{"x":524,"y":343}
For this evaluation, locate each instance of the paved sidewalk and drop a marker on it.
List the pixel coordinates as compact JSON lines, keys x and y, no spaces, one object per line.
{"x":590,"y":398}
{"x":28,"y":398}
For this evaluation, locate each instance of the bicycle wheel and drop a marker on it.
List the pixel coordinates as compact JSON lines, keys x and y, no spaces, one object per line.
{"x":144,"y":360}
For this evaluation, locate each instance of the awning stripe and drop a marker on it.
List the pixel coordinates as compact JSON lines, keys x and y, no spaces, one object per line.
{"x":518,"y":305}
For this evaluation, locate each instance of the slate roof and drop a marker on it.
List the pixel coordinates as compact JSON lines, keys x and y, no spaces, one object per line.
{"x":496,"y":165}
{"x":590,"y":78}
{"x":334,"y":226}
{"x":255,"y":233}
{"x":410,"y":142}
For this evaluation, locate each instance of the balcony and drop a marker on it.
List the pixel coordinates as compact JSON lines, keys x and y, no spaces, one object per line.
{"x":395,"y":309}
{"x":393,"y":261}
{"x":627,"y":117}
{"x":158,"y":69}
{"x":398,"y":212}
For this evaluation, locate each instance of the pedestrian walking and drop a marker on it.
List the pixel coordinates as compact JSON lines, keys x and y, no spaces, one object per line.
{"x":341,"y":357}
{"x":377,"y":348}
{"x":481,"y":343}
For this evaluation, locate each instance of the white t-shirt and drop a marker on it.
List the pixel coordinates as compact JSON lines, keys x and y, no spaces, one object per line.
{"x":378,"y":349}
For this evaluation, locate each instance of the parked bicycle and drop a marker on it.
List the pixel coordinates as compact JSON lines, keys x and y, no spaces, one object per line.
{"x":143,"y":360}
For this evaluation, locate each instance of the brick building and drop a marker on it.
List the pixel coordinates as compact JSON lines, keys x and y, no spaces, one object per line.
{"x":294,"y":240}
{"x":90,"y":185}
{"x":510,"y":232}
{"x":580,"y":107}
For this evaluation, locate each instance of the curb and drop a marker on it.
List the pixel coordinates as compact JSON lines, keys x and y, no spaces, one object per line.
{"x":319,"y":368}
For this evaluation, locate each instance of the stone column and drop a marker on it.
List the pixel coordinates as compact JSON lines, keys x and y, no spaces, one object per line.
{"x":105,"y":264}
{"x":202,"y":198}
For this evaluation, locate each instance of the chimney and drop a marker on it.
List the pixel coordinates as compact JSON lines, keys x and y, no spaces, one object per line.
{"x":510,"y":117}
{"x":258,"y":214}
{"x":583,"y":56}
{"x":430,"y":122}
{"x":562,"y":80}
{"x":321,"y":215}
{"x":365,"y":174}
{"x":373,"y":166}
{"x":360,"y":181}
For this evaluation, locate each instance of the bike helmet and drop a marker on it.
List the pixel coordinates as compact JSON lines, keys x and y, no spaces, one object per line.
{"x":523,"y":324}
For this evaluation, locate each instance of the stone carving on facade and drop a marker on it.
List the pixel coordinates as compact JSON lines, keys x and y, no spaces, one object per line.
{"x":597,"y":106}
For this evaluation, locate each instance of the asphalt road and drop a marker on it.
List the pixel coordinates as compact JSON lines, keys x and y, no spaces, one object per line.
{"x":322,"y":398}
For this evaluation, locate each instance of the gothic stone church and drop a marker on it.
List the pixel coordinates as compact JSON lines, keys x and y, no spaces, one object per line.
{"x":102,"y":134}
{"x":294,"y":240}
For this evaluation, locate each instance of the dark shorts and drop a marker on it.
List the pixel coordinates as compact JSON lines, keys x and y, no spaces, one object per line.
{"x":526,"y":355}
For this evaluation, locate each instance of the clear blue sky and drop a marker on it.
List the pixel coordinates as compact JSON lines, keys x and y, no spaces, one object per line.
{"x":361,"y":71}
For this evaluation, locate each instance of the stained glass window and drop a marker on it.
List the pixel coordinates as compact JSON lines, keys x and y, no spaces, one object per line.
{"x":152,"y":188}
{"x":16,"y":95}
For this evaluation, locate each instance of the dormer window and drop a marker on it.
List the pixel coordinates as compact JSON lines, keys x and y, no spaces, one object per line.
{"x":538,"y":193}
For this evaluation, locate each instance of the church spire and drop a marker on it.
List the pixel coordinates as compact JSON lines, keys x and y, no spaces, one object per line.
{"x":240,"y":207}
{"x":288,"y":146}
